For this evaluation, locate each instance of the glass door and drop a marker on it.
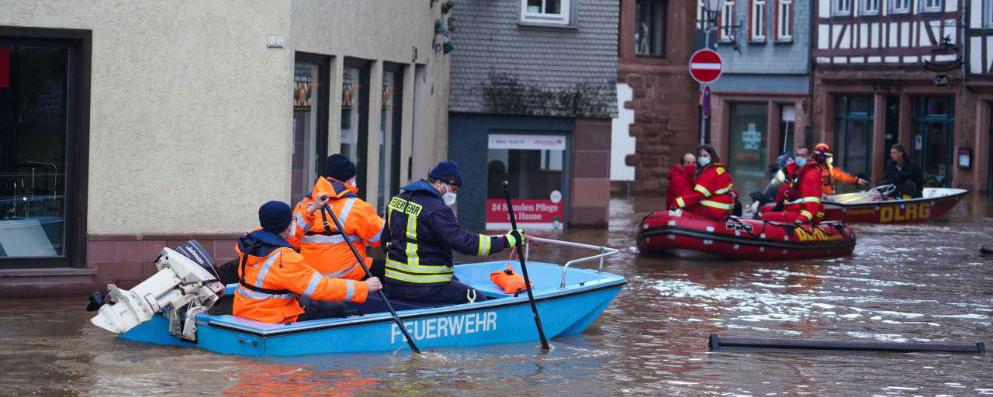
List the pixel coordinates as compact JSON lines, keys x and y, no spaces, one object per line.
{"x":787,"y":128}
{"x":390,"y":122}
{"x":535,"y":167}
{"x":354,"y":117}
{"x":932,"y":138}
{"x":747,"y":153}
{"x":853,"y":135}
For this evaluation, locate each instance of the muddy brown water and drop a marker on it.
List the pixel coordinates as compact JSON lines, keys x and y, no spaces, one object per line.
{"x":904,"y":283}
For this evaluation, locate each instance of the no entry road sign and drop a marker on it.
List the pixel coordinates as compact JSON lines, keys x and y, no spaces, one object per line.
{"x":705,"y":66}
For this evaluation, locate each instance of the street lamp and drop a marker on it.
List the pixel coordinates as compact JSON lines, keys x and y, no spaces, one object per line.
{"x":711,"y":8}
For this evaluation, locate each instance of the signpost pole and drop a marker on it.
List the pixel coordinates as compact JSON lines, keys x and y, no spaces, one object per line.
{"x":703,"y":118}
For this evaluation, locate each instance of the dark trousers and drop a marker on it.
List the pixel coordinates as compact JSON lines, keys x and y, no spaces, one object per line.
{"x":454,"y":292}
{"x":316,"y":310}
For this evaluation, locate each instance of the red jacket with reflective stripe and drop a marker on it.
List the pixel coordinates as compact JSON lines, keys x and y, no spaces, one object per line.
{"x":272,"y":265}
{"x":680,"y":182}
{"x":801,"y":196}
{"x":328,"y":253}
{"x":712,"y":196}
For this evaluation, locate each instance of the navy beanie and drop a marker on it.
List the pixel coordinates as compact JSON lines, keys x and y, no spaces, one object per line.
{"x":275,"y":216}
{"x":448,"y":172}
{"x":339,"y":167}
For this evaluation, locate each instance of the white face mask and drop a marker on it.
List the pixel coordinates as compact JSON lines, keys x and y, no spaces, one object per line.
{"x":449,"y":198}
{"x":703,"y":160}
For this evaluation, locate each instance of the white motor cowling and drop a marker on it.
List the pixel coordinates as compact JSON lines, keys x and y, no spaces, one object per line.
{"x":182,"y":288}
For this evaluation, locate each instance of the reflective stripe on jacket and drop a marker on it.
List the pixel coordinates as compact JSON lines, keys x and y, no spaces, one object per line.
{"x":801,"y":195}
{"x":272,"y":277}
{"x":713,"y":196}
{"x":422,"y":232}
{"x":323,"y":246}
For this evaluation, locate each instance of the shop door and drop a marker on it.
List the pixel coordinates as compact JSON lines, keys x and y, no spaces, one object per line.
{"x":309,"y":147}
{"x":932,"y":138}
{"x":535,"y":167}
{"x":389,"y":135}
{"x":35,"y":160}
{"x":747,"y":153}
{"x":853,"y":136}
{"x":354,"y":118}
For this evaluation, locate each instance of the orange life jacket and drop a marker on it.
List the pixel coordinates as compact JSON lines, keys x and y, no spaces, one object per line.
{"x":509,"y":281}
{"x":271,"y":283}
{"x":322,"y":245}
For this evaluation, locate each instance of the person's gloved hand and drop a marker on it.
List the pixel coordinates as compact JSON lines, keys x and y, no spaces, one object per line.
{"x":515,"y":236}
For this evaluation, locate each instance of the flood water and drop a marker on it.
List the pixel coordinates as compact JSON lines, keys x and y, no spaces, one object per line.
{"x":903,"y":283}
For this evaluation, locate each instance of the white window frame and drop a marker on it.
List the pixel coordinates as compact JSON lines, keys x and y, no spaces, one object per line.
{"x":932,"y":5}
{"x":841,"y":7}
{"x":725,"y":22}
{"x":865,"y":10}
{"x":896,"y":8}
{"x":987,"y":14}
{"x":565,"y":6}
{"x":784,"y":20}
{"x":758,"y":18}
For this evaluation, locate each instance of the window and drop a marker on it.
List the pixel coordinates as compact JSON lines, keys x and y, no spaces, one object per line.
{"x":44,"y":98}
{"x":355,"y":116}
{"x":988,"y":16}
{"x":932,"y":130}
{"x":787,"y":128}
{"x":555,"y":12}
{"x":310,"y":114}
{"x":841,"y":7}
{"x":757,"y":18}
{"x":537,"y":169}
{"x":853,"y":134}
{"x":389,"y":133}
{"x":899,"y":6}
{"x":931,"y":5}
{"x":870,"y":7}
{"x":784,"y":20}
{"x":747,"y":145}
{"x":725,"y":23}
{"x":649,"y":37}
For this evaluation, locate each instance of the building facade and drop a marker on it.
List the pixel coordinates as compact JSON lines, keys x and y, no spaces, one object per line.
{"x":654,"y":47}
{"x":760,"y":104}
{"x":891,"y":71}
{"x":979,"y":86}
{"x":533,"y":94}
{"x":129,"y":126}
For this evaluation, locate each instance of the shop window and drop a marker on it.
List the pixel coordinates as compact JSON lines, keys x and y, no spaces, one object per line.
{"x":310,"y":127}
{"x":554,"y":12}
{"x":900,"y":6}
{"x":649,"y":38}
{"x":354,"y":117}
{"x":747,"y":154}
{"x":42,"y":151}
{"x":932,"y":132}
{"x":725,"y":23}
{"x":853,"y":134}
{"x":787,"y":128}
{"x":870,"y":7}
{"x":757,"y":17}
{"x":389,"y":134}
{"x":841,"y":7}
{"x":892,"y":126}
{"x":931,"y":5}
{"x":535,"y":167}
{"x":784,"y":20}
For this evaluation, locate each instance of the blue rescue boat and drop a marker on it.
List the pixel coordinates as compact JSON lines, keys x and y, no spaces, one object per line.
{"x":568,"y":299}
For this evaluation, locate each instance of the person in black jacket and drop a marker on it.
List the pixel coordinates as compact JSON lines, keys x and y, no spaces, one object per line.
{"x":422,"y":231}
{"x":903,"y":174}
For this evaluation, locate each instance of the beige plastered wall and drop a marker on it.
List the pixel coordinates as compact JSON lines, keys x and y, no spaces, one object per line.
{"x":191,"y":113}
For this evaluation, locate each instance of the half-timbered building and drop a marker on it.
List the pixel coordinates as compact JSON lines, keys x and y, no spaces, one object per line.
{"x":979,"y":85}
{"x":891,"y":71}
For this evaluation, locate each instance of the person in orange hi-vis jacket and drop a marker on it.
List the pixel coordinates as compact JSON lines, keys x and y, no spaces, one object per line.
{"x":321,"y":244}
{"x":273,"y":277}
{"x":713,"y":196}
{"x":801,"y":194}
{"x":830,"y":174}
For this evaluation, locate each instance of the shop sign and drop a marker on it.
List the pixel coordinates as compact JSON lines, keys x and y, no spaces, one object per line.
{"x":527,"y":142}
{"x":529,"y":214}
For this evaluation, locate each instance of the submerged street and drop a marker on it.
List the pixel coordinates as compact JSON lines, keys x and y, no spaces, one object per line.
{"x":903,"y":283}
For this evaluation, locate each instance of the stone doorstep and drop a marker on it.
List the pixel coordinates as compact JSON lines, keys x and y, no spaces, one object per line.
{"x":48,"y":272}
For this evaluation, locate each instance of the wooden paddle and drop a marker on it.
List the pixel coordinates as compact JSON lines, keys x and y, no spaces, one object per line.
{"x":524,"y":269}
{"x":396,"y":318}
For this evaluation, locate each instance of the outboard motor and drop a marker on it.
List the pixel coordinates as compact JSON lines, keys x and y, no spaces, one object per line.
{"x":185,"y":285}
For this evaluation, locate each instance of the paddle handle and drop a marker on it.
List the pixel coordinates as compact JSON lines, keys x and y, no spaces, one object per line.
{"x":358,"y":257}
{"x":524,"y":269}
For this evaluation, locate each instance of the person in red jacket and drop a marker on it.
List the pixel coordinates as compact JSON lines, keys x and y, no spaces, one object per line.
{"x":713,"y":195}
{"x":680,"y":179}
{"x":801,"y":195}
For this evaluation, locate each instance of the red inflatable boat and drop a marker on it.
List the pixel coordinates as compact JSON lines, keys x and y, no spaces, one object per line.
{"x":869,"y":207}
{"x":685,"y":234}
